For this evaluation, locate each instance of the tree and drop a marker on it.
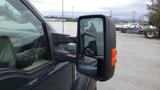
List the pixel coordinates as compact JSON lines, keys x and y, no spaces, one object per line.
{"x":154,"y":14}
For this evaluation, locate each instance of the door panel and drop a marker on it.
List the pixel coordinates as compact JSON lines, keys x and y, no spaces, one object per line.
{"x":60,"y":78}
{"x":85,"y":83}
{"x":48,"y":77}
{"x":13,"y":79}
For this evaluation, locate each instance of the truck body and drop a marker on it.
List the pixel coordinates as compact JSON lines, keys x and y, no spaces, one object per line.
{"x":130,"y":27}
{"x":34,"y":57}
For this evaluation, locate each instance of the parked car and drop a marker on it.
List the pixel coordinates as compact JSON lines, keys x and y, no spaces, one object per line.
{"x":119,"y":27}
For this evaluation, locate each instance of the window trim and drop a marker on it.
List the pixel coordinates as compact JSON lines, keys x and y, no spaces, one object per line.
{"x":35,"y":12}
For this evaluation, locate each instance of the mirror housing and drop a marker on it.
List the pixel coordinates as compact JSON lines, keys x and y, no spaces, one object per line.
{"x":98,"y":32}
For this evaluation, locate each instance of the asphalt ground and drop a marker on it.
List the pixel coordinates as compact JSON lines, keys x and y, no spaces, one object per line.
{"x":138,"y":66}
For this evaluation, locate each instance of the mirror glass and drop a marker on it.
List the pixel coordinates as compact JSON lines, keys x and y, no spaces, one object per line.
{"x":91,"y":45}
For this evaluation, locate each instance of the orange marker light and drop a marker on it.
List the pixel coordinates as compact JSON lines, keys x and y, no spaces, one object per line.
{"x":114,"y":57}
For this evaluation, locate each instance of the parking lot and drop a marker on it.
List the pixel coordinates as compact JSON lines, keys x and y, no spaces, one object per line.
{"x":138,"y":66}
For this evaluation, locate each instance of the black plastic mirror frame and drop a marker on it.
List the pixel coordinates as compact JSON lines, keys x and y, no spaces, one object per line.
{"x":105,"y":70}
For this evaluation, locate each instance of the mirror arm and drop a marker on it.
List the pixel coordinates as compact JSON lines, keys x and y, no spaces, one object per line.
{"x":63,"y":56}
{"x":63,"y":39}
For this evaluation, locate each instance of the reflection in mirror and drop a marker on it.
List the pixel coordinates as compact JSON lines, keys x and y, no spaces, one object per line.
{"x":91,"y":45}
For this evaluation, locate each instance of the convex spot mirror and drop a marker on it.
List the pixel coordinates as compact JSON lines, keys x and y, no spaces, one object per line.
{"x":96,"y":47}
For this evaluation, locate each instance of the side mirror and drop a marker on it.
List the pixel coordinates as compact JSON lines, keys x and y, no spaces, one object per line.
{"x":96,"y":47}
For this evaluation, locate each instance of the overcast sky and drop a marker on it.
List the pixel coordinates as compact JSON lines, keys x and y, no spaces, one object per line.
{"x":119,"y":8}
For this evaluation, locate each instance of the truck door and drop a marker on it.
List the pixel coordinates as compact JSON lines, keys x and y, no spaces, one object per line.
{"x":25,"y":59}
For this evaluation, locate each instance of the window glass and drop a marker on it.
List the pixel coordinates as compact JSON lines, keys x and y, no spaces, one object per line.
{"x":24,"y":33}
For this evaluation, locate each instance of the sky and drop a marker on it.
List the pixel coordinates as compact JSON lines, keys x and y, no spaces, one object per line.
{"x":124,"y":9}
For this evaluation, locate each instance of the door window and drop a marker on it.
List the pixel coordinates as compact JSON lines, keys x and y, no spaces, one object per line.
{"x":22,"y":41}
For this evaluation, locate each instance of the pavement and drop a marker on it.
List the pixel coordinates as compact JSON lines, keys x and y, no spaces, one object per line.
{"x":138,"y":66}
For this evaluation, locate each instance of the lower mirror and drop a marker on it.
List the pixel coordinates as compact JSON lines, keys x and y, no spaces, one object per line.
{"x":88,"y":67}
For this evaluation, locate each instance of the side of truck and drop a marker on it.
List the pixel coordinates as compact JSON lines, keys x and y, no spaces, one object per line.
{"x":34,"y":57}
{"x":132,"y":27}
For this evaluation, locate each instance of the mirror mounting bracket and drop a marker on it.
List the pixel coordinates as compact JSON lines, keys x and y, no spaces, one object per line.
{"x":62,"y":56}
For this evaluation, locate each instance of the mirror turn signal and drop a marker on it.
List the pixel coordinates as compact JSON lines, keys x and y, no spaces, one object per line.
{"x":114,"y":57}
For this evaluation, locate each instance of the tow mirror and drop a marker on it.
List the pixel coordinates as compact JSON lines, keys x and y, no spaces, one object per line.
{"x":96,"y":47}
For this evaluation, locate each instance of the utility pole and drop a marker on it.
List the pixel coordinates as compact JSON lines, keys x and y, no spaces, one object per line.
{"x":111,"y":14}
{"x":142,"y":19}
{"x":72,"y":12}
{"x":134,"y":16}
{"x":62,"y":16}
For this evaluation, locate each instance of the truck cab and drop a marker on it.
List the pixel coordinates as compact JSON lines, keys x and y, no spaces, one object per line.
{"x":34,"y":57}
